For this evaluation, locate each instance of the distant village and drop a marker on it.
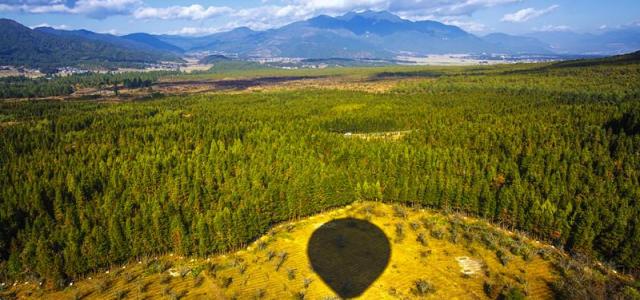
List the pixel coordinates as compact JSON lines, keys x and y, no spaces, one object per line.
{"x":8,"y":71}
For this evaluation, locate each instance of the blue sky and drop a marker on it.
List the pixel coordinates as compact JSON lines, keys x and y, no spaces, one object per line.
{"x":199,"y":17}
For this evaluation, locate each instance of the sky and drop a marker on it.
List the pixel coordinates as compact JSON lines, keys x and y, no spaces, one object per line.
{"x":200,"y":17}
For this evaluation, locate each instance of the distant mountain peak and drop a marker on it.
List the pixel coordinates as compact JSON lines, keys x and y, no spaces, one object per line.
{"x":373,"y":15}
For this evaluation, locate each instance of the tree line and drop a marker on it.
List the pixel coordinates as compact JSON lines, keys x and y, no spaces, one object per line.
{"x":23,"y":87}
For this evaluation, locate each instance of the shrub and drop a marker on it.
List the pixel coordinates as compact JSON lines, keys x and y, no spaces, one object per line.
{"x":165,"y":279}
{"x":226,"y":282}
{"x":512,"y":293}
{"x":399,"y":233}
{"x":422,"y":239}
{"x":414,"y":226}
{"x":282,"y":256}
{"x":242,"y":268}
{"x":428,"y":223}
{"x":503,"y":257}
{"x":307,"y":282}
{"x":437,"y":233}
{"x":299,"y":295}
{"x":291,"y":274}
{"x":423,"y":287}
{"x":270,"y":255}
{"x":142,"y":286}
{"x":399,"y":212}
{"x":121,"y":294}
{"x":103,"y":285}
{"x":198,"y":281}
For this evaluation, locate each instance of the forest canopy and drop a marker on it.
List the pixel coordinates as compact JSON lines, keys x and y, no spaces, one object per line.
{"x":554,"y":153}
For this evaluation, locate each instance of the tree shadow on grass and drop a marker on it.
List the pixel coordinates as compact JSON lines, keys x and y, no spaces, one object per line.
{"x":349,"y":254}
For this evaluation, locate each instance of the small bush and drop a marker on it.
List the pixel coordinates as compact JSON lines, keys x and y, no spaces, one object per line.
{"x":103,"y":285}
{"x":270,"y":255}
{"x":198,"y":281}
{"x":489,"y":289}
{"x":399,"y":212}
{"x":428,"y":223}
{"x":260,"y":294}
{"x":142,"y":286}
{"x":129,"y":277}
{"x":399,"y":233}
{"x":437,"y":233}
{"x":261,"y":245}
{"x":512,"y":293}
{"x":503,"y":257}
{"x":165,"y":279}
{"x":175,"y":295}
{"x":307,"y":282}
{"x":282,"y":256}
{"x":414,"y":226}
{"x":121,"y":294}
{"x":242,"y":268}
{"x":299,"y":295}
{"x":291,"y":274}
{"x":226,"y":282}
{"x":423,"y":287}
{"x":195,"y":272}
{"x":422,"y":239}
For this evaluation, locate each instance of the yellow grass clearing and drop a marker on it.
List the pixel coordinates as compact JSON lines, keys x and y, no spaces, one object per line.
{"x":456,"y":270}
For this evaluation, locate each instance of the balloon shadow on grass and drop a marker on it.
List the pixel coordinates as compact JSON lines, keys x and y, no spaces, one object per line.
{"x":349,"y":254}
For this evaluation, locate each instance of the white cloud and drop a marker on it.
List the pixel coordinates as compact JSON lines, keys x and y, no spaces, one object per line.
{"x":526,"y":14}
{"x":551,"y":28}
{"x":196,"y":31}
{"x":451,"y":11}
{"x":62,"y":26}
{"x":192,"y":12}
{"x":93,"y":8}
{"x":267,"y":14}
{"x":467,"y":25}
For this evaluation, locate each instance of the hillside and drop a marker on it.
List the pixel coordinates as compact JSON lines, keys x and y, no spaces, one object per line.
{"x":365,"y":250}
{"x":152,"y":42}
{"x":48,"y":48}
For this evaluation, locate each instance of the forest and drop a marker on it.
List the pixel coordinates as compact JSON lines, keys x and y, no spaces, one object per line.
{"x":22,"y":87}
{"x":551,"y":152}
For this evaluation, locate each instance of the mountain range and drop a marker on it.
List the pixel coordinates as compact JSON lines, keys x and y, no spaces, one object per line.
{"x":365,"y":34}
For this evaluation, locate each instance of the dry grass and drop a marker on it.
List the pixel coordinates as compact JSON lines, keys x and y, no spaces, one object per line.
{"x":276,"y":266}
